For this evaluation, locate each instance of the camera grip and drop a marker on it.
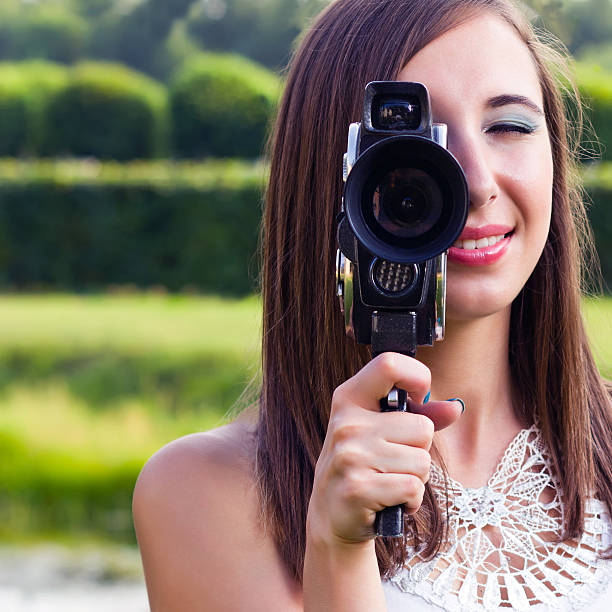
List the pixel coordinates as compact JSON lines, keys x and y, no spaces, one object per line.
{"x":389,"y":523}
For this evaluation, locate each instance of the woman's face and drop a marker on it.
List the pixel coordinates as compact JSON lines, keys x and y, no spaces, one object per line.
{"x":483,"y":84}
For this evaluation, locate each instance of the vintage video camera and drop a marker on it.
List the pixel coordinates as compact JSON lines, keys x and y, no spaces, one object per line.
{"x":405,"y":202}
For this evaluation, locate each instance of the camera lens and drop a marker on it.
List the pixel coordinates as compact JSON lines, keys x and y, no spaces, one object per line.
{"x":406,"y":199}
{"x":407,"y":202}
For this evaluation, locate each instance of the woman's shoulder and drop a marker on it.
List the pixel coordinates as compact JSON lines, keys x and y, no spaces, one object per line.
{"x":196,"y":467}
{"x":197,"y":519}
{"x":226,"y":449}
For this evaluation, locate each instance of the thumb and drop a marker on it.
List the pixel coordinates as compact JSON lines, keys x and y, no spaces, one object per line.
{"x":442,"y":413}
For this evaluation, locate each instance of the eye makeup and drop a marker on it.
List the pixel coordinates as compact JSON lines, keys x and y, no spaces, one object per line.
{"x":513,"y":122}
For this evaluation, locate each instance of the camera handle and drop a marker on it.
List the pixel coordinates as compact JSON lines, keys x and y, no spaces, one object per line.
{"x":393,"y":331}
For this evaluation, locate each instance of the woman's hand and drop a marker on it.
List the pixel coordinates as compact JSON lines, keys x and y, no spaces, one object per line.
{"x":371,"y":459}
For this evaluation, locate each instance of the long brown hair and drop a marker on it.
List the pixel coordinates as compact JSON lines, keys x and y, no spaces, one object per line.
{"x":306,"y":353}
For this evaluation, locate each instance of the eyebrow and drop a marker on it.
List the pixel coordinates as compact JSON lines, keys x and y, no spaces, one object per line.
{"x":504,"y":99}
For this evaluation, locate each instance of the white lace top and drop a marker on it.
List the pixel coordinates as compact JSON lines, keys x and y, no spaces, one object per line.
{"x":501,"y":551}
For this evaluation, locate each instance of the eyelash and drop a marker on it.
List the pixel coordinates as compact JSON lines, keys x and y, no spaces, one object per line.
{"x":508,"y":128}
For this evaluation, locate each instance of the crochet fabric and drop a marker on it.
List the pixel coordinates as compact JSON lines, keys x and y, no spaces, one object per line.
{"x":503,"y":550}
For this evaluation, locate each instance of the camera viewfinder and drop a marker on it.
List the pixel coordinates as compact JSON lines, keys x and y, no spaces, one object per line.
{"x":396,"y":114}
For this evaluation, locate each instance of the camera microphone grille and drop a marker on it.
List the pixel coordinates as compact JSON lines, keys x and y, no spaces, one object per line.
{"x":393,"y":277}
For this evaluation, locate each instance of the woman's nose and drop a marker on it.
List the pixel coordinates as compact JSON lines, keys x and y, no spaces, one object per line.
{"x":482,"y":186}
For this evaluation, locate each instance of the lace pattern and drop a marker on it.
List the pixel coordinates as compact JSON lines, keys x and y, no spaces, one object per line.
{"x":501,"y":550}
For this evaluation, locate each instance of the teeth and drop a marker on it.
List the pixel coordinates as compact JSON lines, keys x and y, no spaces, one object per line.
{"x":478,"y":244}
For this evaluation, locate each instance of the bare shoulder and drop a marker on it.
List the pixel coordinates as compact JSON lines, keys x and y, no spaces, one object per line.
{"x":196,"y":515}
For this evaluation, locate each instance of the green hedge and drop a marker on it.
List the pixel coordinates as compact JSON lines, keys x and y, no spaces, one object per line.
{"x":85,"y":226}
{"x":106,"y":111}
{"x":218,"y":106}
{"x":595,"y":85}
{"x":31,"y":84}
{"x":599,"y":187}
{"x":13,"y":115}
{"x":41,"y":32}
{"x":221,"y":106}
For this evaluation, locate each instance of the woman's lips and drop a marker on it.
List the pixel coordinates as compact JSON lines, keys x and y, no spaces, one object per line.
{"x":484,"y":231}
{"x":481,"y":246}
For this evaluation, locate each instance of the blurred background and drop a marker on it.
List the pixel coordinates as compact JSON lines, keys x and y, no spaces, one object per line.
{"x":131,"y":176}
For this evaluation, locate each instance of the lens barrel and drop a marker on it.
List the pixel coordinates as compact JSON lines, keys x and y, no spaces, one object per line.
{"x":406,"y":199}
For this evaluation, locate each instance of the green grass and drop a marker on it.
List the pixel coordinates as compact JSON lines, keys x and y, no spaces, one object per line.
{"x":137,"y":323}
{"x":91,"y":386}
{"x":598,"y":316}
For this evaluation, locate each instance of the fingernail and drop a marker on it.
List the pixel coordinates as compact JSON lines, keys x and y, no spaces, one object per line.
{"x":427,"y":397}
{"x":458,"y":399}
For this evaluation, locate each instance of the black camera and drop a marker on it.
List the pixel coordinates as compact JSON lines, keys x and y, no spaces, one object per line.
{"x":405,"y":202}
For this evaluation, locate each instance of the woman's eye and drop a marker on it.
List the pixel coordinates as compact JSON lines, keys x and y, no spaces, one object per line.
{"x":506,"y":128}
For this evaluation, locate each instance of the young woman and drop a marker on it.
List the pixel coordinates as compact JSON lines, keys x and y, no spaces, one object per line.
{"x":508,"y":503}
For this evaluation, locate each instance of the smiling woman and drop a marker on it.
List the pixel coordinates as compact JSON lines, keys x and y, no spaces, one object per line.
{"x":508,"y":503}
{"x":498,"y":133}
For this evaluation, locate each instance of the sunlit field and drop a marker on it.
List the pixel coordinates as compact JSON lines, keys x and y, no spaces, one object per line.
{"x":598,"y":315}
{"x":91,"y":386}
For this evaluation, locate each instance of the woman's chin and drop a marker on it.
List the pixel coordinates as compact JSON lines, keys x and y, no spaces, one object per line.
{"x":469,"y":307}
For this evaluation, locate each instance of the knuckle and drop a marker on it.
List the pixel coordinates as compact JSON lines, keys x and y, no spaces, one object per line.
{"x":388,"y":365}
{"x":414,"y":490}
{"x":423,"y":463}
{"x":353,"y":488}
{"x":347,"y":457}
{"x":423,"y":427}
{"x":343,"y":431}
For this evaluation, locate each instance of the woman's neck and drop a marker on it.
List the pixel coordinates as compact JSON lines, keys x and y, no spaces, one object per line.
{"x":472,"y":363}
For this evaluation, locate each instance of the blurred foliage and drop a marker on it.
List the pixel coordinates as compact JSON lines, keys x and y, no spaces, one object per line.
{"x":87,"y":226}
{"x":578,"y":23}
{"x":146,"y":34}
{"x":42,"y":31}
{"x":595,"y":85}
{"x":13,"y":115}
{"x":106,"y":111}
{"x":156,"y":36}
{"x":136,"y":33}
{"x":73,"y":436}
{"x":221,"y":106}
{"x":598,"y":179}
{"x":264,"y":31}
{"x":598,"y":55}
{"x":154,"y":348}
{"x":40,"y":81}
{"x":69,"y":458}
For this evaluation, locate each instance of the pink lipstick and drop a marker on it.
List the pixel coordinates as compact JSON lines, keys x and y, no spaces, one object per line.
{"x":481,"y":246}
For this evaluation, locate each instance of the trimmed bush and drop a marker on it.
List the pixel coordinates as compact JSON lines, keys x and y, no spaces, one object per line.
{"x":37,"y":82}
{"x":13,"y":114}
{"x":85,"y":226}
{"x":106,"y":111}
{"x":51,"y":34}
{"x":221,"y":106}
{"x":599,"y":187}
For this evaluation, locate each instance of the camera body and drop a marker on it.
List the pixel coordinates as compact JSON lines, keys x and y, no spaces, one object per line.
{"x":405,"y":202}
